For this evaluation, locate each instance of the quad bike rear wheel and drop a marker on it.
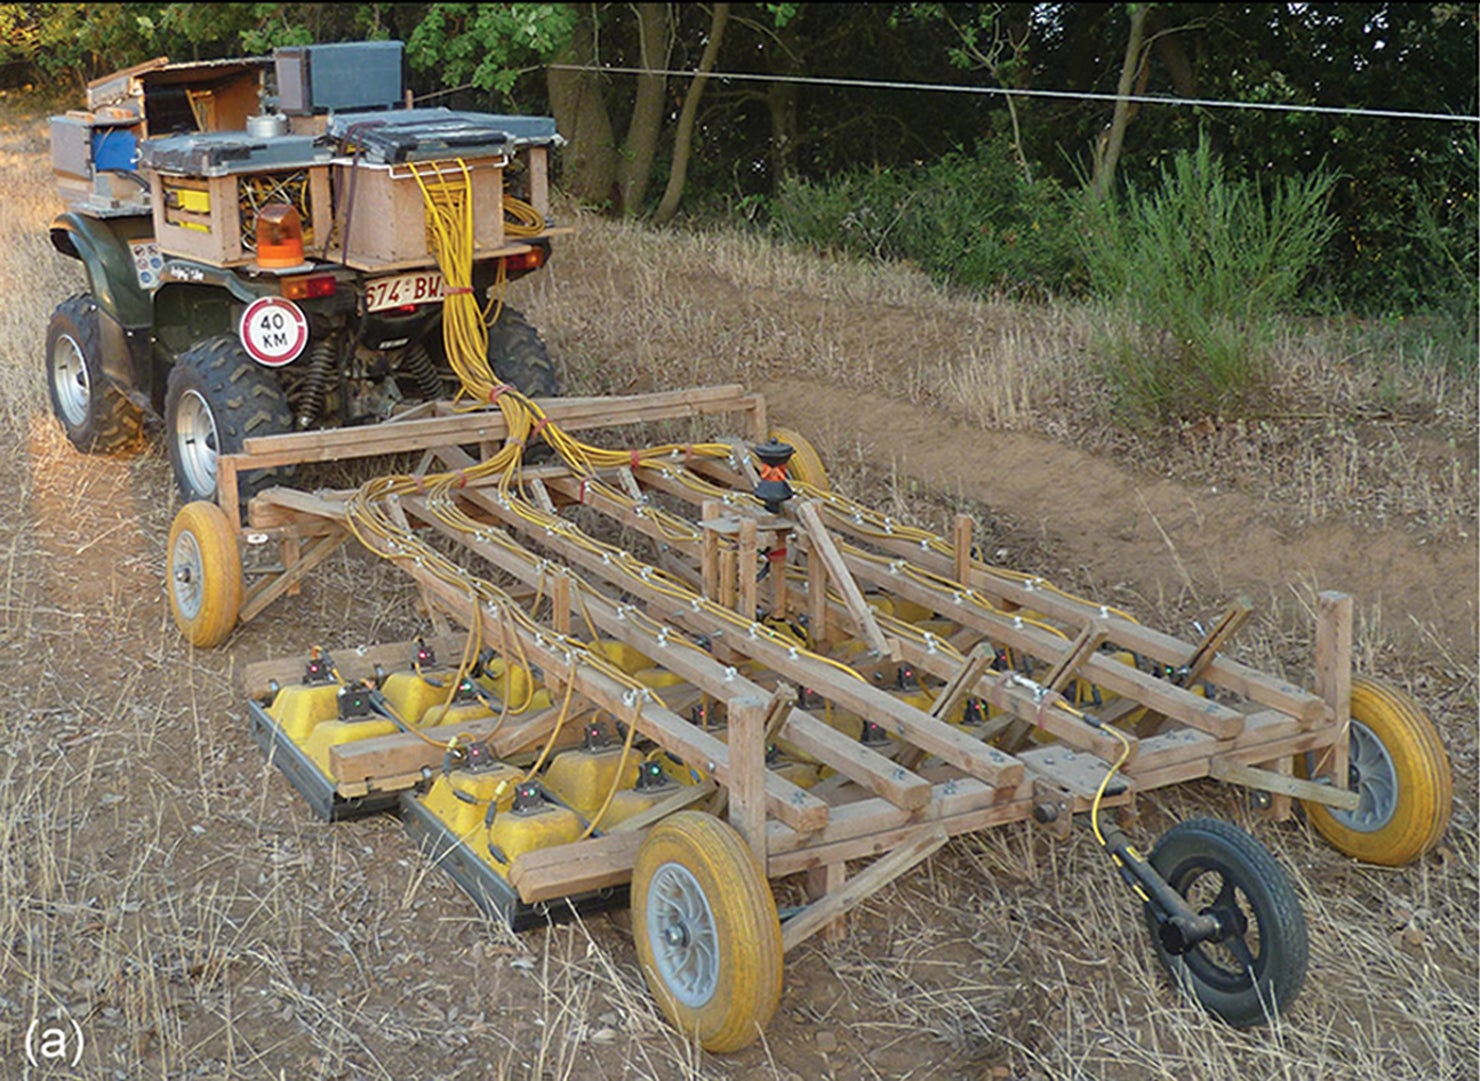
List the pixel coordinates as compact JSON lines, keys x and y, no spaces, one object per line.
{"x":94,"y":413}
{"x":216,"y":399}
{"x":517,"y":354}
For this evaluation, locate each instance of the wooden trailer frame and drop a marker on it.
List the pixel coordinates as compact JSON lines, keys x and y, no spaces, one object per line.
{"x":900,"y":802}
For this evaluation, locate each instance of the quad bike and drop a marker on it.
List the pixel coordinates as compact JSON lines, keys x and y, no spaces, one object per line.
{"x":258,"y":259}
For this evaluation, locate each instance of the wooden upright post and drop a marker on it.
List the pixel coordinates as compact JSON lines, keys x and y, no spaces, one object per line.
{"x":709,"y":557}
{"x":961,"y":540}
{"x":1334,"y":676}
{"x":748,"y":569}
{"x":747,"y":788}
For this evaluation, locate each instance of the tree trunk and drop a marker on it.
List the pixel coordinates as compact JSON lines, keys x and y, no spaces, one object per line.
{"x":635,"y":164}
{"x":684,"y":137}
{"x":590,"y":157}
{"x":781,"y":102}
{"x":1107,"y":155}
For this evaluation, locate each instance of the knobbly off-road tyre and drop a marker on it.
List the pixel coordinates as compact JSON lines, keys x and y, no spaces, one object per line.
{"x":217,"y":397}
{"x":707,"y":934}
{"x":1256,"y":972}
{"x":1400,"y":770}
{"x":517,"y":355}
{"x":94,"y":413}
{"x":203,"y":573}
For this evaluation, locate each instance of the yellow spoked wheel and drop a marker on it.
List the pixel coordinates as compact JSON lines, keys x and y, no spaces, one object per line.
{"x":707,"y":934}
{"x":806,"y":464}
{"x":204,"y":570}
{"x":1399,"y":767}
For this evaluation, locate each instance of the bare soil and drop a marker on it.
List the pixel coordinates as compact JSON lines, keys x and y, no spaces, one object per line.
{"x":166,"y":889}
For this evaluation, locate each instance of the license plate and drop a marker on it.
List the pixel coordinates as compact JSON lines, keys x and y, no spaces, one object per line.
{"x":423,"y":287}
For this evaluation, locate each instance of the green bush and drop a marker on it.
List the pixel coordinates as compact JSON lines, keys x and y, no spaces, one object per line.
{"x":966,"y":219}
{"x":1193,"y":274}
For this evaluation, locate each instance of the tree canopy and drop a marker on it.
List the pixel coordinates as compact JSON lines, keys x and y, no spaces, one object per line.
{"x":1405,"y":195}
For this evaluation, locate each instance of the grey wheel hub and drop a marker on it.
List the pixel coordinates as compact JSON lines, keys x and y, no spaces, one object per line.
{"x":197,"y":441}
{"x":1374,"y":778}
{"x":680,"y":927}
{"x":69,"y":380}
{"x":186,"y":574}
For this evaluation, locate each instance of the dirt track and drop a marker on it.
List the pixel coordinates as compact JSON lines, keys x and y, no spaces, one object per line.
{"x":1156,"y":535}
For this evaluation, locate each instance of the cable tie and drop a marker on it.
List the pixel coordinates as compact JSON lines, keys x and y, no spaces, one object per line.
{"x":635,"y":458}
{"x":457,"y":290}
{"x":498,"y":392}
{"x":539,"y":427}
{"x":462,"y":479}
{"x":585,"y":483}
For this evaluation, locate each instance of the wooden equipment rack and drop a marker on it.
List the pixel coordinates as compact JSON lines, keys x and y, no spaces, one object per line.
{"x":900,"y":798}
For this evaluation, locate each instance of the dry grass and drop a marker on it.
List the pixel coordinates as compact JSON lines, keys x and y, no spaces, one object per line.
{"x":162,"y":886}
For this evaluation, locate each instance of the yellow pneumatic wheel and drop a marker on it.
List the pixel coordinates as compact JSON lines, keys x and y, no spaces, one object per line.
{"x":806,"y":464}
{"x":706,"y":930}
{"x":204,"y":570}
{"x":1400,"y":769}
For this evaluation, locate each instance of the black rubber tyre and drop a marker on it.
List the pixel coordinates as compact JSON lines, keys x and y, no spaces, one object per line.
{"x":1257,"y":970}
{"x":517,"y":355}
{"x":217,"y":397}
{"x":96,"y":416}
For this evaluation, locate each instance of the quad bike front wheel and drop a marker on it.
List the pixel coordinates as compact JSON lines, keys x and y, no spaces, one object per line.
{"x":203,"y":571}
{"x":216,"y":399}
{"x":1398,"y":767}
{"x":1255,"y":967}
{"x":706,"y":929}
{"x":94,"y":413}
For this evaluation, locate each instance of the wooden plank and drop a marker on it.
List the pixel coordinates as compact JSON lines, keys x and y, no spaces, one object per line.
{"x":822,"y":542}
{"x":1075,"y":771}
{"x":353,"y":662}
{"x":1001,"y":690}
{"x":401,"y":752}
{"x":1091,"y":637}
{"x":1279,"y":783}
{"x":818,"y":883}
{"x":573,"y":414}
{"x":686,"y":796}
{"x":866,"y":829}
{"x":816,"y":599}
{"x":711,"y":511}
{"x":855,"y":762}
{"x":547,"y":874}
{"x":862,"y":886}
{"x":1334,"y":678}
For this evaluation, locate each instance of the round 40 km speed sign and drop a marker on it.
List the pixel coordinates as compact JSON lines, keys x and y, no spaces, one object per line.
{"x":273,"y":331}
